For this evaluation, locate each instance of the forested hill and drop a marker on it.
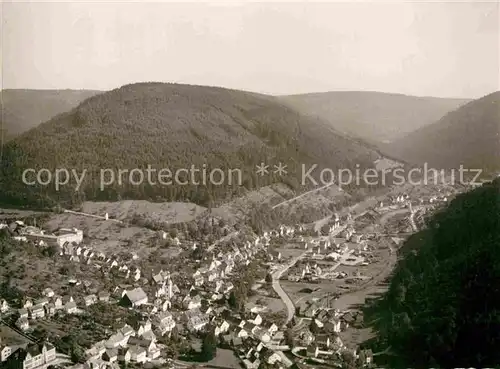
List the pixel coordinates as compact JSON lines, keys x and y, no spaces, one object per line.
{"x":443,"y":305}
{"x":21,"y":110}
{"x":468,"y":136}
{"x":374,"y":116}
{"x":173,"y":126}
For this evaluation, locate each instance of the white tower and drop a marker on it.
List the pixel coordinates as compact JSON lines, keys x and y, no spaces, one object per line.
{"x":170,"y":293}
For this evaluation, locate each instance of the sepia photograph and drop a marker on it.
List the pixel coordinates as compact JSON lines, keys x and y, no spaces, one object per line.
{"x":246,"y":184}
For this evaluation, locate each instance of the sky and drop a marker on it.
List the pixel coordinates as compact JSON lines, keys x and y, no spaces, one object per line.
{"x":438,"y":49}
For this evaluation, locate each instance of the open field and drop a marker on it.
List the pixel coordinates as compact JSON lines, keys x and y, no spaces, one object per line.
{"x":8,"y":214}
{"x":105,"y":236}
{"x":31,"y":271}
{"x":170,"y":212}
{"x":288,"y":252}
{"x":273,"y":305}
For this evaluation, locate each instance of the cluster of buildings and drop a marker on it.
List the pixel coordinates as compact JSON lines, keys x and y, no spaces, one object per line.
{"x":166,"y":300}
{"x":19,"y":352}
{"x":328,"y":253}
{"x":21,"y":232}
{"x":323,"y":343}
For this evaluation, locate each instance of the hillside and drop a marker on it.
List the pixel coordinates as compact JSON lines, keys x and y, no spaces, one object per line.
{"x":21,"y":110}
{"x":469,"y":135}
{"x":174,"y":126}
{"x":373,"y":116}
{"x":442,"y":309}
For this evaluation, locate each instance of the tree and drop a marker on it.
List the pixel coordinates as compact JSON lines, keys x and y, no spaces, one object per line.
{"x":314,"y":328}
{"x":173,"y":233}
{"x":348,"y":360}
{"x":77,"y":355}
{"x":51,"y":251}
{"x":209,"y":345}
{"x":289,"y":337}
{"x":233,"y":300}
{"x":269,"y":278}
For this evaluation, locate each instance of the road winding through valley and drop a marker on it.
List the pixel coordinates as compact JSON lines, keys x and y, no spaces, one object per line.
{"x":290,"y":306}
{"x":367,"y":290}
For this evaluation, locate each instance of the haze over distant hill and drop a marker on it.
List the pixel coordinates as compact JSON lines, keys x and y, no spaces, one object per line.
{"x":175,"y":126}
{"x":374,"y":116}
{"x":469,"y":135}
{"x":21,"y":110}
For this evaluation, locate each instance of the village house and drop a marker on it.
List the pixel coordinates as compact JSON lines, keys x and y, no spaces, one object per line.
{"x":226,"y":267}
{"x":37,"y":311}
{"x":116,"y":340}
{"x":137,"y":354}
{"x":134,"y":298}
{"x":33,"y":356}
{"x":70,"y":307}
{"x":198,"y":279}
{"x":136,"y":274}
{"x":255,"y":364}
{"x":164,"y":322}
{"x":228,"y":287}
{"x":271,"y":328}
{"x":90,"y":300}
{"x":269,"y":356}
{"x":196,"y":320}
{"x":124,"y":354}
{"x":158,"y":279}
{"x":97,"y":350}
{"x":43,"y":301}
{"x":8,"y":345}
{"x":143,"y":326}
{"x":27,"y":303}
{"x":161,"y":290}
{"x":306,"y":337}
{"x":50,"y":309}
{"x":257,"y":319}
{"x":192,"y":302}
{"x":152,"y":351}
{"x":312,"y":351}
{"x":323,"y":341}
{"x":110,"y":355}
{"x":222,"y":328}
{"x":4,"y":306}
{"x":261,"y":334}
{"x":127,"y":331}
{"x":61,"y":237}
{"x":23,"y":313}
{"x":48,"y":292}
{"x":58,"y":302}
{"x":242,"y":333}
{"x":23,"y":323}
{"x":213,"y":275}
{"x":366,"y":357}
